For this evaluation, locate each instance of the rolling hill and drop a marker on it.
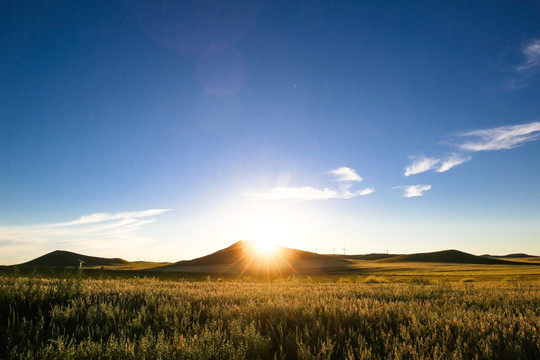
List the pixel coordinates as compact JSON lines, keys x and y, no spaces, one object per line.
{"x":372,"y":256}
{"x":244,"y":257}
{"x":511,"y":256}
{"x":60,"y":258}
{"x":449,"y":256}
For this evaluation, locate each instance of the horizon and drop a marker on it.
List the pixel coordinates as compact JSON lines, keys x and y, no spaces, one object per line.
{"x":160,"y":131}
{"x":267,"y":251}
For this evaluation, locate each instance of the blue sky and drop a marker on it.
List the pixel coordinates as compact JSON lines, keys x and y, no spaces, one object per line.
{"x":169,"y":130}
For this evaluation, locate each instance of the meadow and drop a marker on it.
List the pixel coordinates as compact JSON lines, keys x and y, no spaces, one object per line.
{"x":360,"y":317}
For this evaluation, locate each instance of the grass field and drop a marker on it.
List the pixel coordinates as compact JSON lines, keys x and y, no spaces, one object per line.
{"x":340,"y":317}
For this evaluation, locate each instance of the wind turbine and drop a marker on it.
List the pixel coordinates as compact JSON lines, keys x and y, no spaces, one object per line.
{"x":80,"y":263}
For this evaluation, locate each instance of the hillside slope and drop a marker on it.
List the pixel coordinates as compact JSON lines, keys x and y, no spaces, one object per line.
{"x":511,"y":256}
{"x":243,"y":257}
{"x":449,"y":256}
{"x":60,"y":258}
{"x":372,"y":256}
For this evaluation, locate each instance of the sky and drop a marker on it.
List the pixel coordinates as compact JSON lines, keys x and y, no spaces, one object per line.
{"x":167,"y":130}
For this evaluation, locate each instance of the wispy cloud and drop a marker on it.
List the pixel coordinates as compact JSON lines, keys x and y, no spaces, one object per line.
{"x":346,"y":174}
{"x":532,"y":56}
{"x":346,"y":192}
{"x":413,"y":190}
{"x":365,"y":191}
{"x":104,"y":217}
{"x":421,"y":165}
{"x":307,"y":193}
{"x":304,"y":193}
{"x":528,"y":71}
{"x":452,"y":161}
{"x":95,"y":231}
{"x":499,"y":138}
{"x":504,"y":137}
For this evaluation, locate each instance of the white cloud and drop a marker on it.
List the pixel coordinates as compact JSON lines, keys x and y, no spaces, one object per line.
{"x":346,"y":174}
{"x":95,"y":231}
{"x":365,"y":191}
{"x":504,"y":137}
{"x":453,"y":160}
{"x":103,"y":217}
{"x":532,"y":56}
{"x":413,"y":190}
{"x":307,"y":193}
{"x":295,"y":194}
{"x":499,"y":138}
{"x":427,"y":164}
{"x":421,"y":165}
{"x":346,"y":192}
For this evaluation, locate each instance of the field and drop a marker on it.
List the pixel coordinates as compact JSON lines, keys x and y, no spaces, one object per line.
{"x":73,"y":316}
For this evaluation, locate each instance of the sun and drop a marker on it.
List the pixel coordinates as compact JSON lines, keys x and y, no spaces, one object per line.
{"x":266,"y":235}
{"x":264,"y":247}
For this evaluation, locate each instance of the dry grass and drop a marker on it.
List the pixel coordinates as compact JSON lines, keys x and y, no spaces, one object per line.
{"x":295,"y":318}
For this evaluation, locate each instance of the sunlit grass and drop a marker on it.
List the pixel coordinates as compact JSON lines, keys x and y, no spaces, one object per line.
{"x":291,"y":319}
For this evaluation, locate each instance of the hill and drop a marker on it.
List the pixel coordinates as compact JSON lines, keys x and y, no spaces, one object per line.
{"x":449,"y":256}
{"x":511,"y":256}
{"x":243,"y":250}
{"x":373,"y":256}
{"x":60,"y":258}
{"x":244,"y":257}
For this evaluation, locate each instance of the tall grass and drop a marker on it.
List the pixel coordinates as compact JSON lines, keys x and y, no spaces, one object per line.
{"x":77,"y":318}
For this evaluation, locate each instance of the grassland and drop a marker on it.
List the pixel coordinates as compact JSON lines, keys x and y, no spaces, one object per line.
{"x":345,"y":317}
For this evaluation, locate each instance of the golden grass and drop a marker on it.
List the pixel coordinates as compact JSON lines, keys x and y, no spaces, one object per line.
{"x":369,"y":317}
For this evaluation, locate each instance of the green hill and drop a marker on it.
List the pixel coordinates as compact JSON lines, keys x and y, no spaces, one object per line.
{"x":511,"y":256}
{"x":373,"y":256}
{"x":60,"y":258}
{"x":449,"y":256}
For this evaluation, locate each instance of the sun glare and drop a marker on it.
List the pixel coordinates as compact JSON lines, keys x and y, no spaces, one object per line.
{"x":265,"y":247}
{"x":266,"y":235}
